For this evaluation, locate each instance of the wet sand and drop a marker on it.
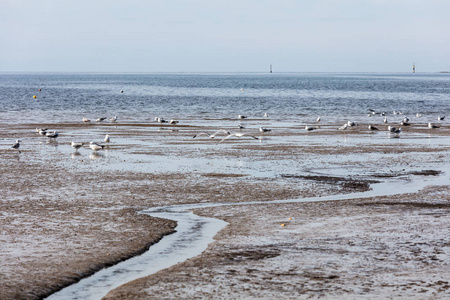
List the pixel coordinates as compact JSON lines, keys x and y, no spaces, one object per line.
{"x":65,"y":216}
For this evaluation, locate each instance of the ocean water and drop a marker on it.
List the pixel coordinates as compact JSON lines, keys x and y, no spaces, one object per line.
{"x":192,"y":97}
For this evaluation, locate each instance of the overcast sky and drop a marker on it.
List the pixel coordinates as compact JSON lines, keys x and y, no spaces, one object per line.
{"x":224,"y":36}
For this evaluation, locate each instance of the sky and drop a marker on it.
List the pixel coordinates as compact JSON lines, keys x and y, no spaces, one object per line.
{"x":224,"y":36}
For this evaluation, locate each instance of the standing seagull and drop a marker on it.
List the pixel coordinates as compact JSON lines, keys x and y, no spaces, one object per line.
{"x":318,"y":120}
{"x":86,"y":120}
{"x":95,"y":146}
{"x":76,"y":145}
{"x":113,"y":120}
{"x":53,"y":134}
{"x":107,"y":139}
{"x":262,"y":130}
{"x":101,"y":119}
{"x":343,"y":127}
{"x":17,"y":145}
{"x":241,"y":117}
{"x":441,"y":118}
{"x":372,"y":127}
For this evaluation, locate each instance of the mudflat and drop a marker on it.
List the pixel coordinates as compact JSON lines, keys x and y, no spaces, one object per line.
{"x":66,"y":213}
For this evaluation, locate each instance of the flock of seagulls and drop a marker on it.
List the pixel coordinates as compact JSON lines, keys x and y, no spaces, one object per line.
{"x":349,"y":124}
{"x":101,"y":119}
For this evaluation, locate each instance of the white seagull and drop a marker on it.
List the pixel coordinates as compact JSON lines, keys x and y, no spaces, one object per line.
{"x":351,"y":124}
{"x":160,"y":120}
{"x":114,"y":119}
{"x":76,"y":145}
{"x":86,"y":120}
{"x":318,"y":120}
{"x":41,"y":131}
{"x":385,"y":120}
{"x":107,"y":139}
{"x":212,"y":135}
{"x":266,"y":115}
{"x":394,"y":130}
{"x":53,"y":134}
{"x":95,"y":146}
{"x":343,"y":127}
{"x":239,"y":135}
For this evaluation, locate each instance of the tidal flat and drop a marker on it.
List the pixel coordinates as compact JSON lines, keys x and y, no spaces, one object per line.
{"x":66,"y":214}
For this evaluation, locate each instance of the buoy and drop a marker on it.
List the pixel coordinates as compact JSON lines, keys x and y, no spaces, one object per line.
{"x":283,"y":225}
{"x":34,"y":97}
{"x":290,"y":219}
{"x":121,"y":91}
{"x":40,"y":90}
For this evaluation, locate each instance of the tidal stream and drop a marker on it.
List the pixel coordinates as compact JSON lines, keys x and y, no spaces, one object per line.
{"x":194,"y":233}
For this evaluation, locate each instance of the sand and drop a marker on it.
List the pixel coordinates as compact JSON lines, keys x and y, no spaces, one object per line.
{"x":64,"y":216}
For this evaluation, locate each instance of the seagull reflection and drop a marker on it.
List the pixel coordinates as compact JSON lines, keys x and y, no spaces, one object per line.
{"x":75,"y":154}
{"x":96,"y":155}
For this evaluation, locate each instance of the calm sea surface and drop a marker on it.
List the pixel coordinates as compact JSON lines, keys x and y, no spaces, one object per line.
{"x":288,"y":97}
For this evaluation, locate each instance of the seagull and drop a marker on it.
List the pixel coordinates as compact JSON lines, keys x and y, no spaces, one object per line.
{"x":406,"y":119}
{"x":41,"y":131}
{"x":160,"y":120}
{"x":394,"y":130}
{"x":372,"y":127}
{"x":121,"y":91}
{"x":242,"y":117}
{"x":432,"y":126}
{"x":53,"y":134}
{"x":212,"y":135}
{"x":310,"y":128}
{"x":240,"y":126}
{"x":17,"y":145}
{"x":238,"y":134}
{"x":101,"y":119}
{"x":95,"y":146}
{"x":113,"y":120}
{"x":107,"y":139}
{"x":418,"y":115}
{"x":318,"y":120}
{"x":173,"y":122}
{"x":86,"y":120}
{"x":351,"y":124}
{"x":76,"y":145}
{"x":262,"y":130}
{"x":385,"y":120}
{"x":343,"y":127}
{"x":266,"y":115}
{"x":441,"y":118}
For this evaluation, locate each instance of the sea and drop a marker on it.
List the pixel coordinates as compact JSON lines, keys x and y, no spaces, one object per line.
{"x":194,"y":97}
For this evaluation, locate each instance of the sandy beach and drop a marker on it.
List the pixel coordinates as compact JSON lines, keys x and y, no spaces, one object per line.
{"x":66,"y":215}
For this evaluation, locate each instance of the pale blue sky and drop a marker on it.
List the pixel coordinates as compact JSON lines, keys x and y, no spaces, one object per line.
{"x":224,"y":36}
